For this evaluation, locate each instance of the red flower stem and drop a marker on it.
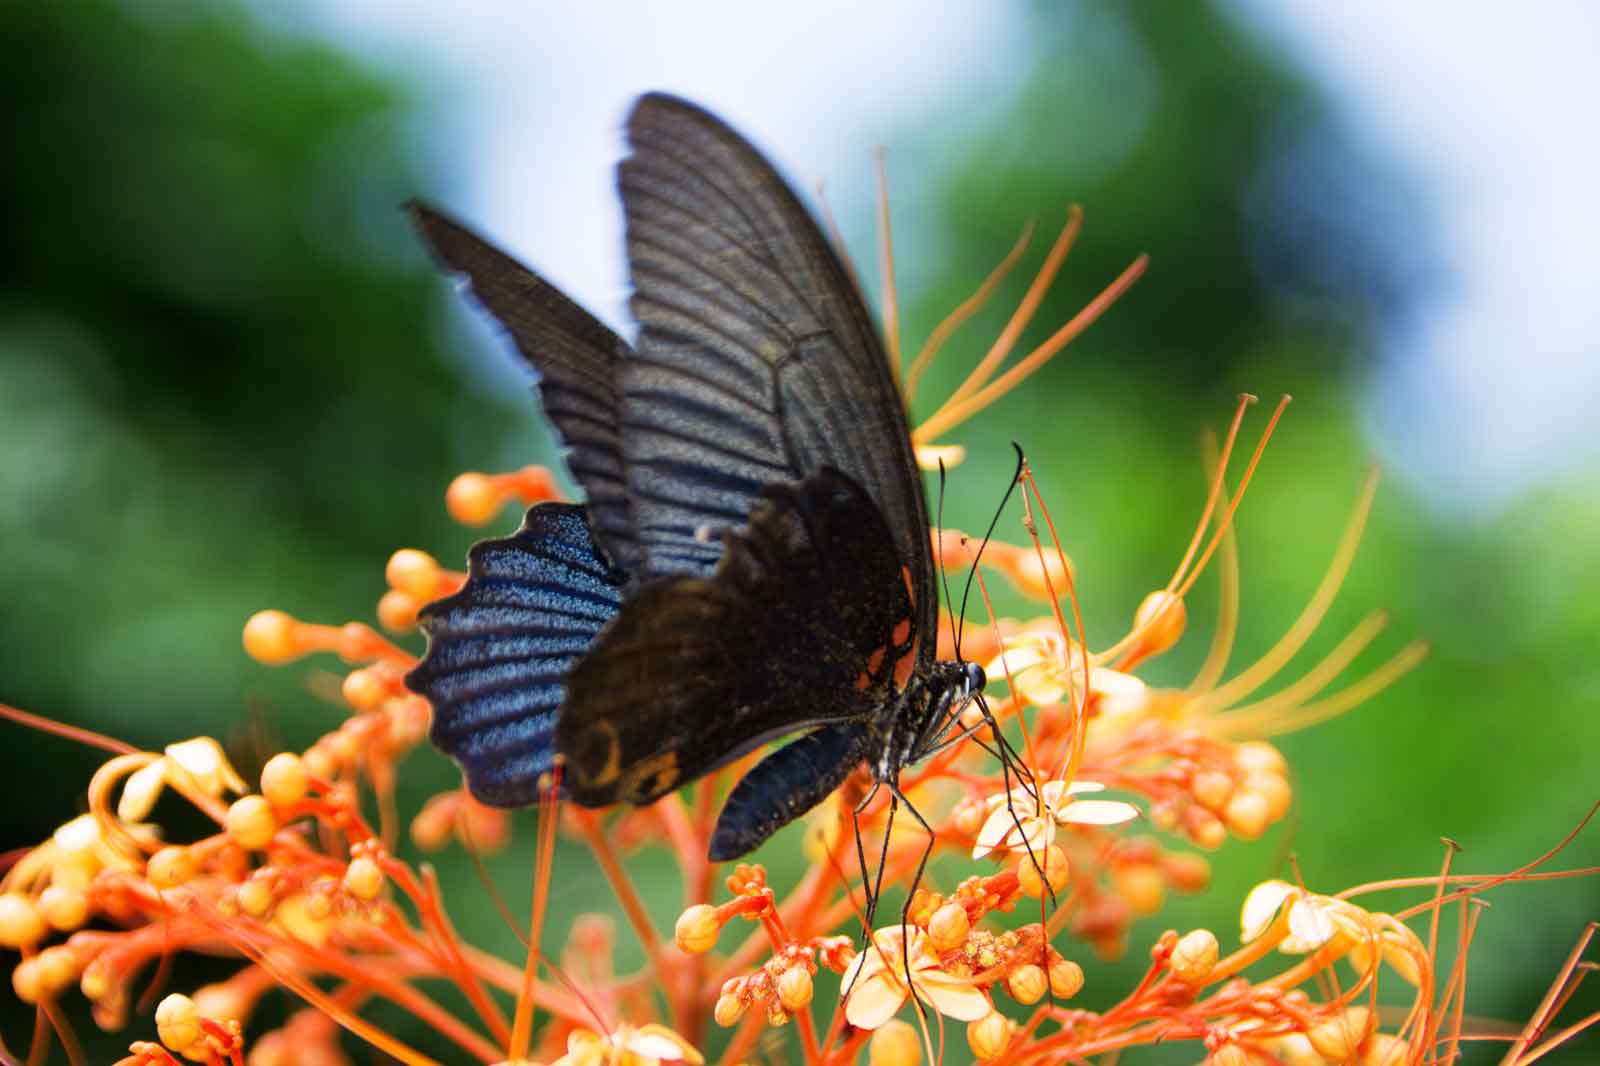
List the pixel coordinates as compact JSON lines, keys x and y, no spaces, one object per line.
{"x":448,"y":946}
{"x":632,"y":906}
{"x":738,"y":1049}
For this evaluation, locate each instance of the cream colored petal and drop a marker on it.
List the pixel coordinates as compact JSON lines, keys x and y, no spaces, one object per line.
{"x":1097,"y":812}
{"x":999,"y":830}
{"x":659,"y":1042}
{"x":1262,"y":906}
{"x":1040,"y":686}
{"x":1311,"y":925}
{"x":140,"y":792}
{"x":930,"y":455}
{"x":1077,"y":788}
{"x":202,"y":759}
{"x":873,"y":1001}
{"x":1119,"y":693}
{"x":952,"y":996}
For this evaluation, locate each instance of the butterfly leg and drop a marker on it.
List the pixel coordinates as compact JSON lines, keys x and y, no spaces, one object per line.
{"x":861,"y":855}
{"x":911,"y":892}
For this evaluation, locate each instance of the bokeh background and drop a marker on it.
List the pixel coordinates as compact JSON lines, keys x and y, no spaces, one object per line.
{"x":229,"y":379}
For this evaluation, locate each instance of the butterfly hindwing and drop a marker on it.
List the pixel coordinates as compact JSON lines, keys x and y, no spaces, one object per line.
{"x":802,"y":623}
{"x":499,"y":650}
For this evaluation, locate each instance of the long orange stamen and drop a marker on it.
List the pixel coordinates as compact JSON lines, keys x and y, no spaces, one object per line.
{"x":1216,"y":660}
{"x":955,"y":412}
{"x":891,"y":300}
{"x":964,"y":311}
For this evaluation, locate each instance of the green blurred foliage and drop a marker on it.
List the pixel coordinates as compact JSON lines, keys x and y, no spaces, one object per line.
{"x":224,"y":385}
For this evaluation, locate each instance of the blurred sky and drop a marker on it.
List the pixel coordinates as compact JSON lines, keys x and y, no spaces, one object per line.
{"x":1486,"y":385}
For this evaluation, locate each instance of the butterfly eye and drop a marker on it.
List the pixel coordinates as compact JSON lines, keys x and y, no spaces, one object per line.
{"x":976,"y":678}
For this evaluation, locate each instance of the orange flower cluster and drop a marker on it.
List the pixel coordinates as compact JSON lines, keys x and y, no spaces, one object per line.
{"x":1034,"y":859}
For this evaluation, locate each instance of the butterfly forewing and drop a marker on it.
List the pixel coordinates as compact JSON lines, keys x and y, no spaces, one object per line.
{"x":577,"y":359}
{"x":756,"y":361}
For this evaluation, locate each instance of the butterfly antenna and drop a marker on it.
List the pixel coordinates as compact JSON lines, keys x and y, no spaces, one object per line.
{"x":1016,"y":477}
{"x":944,"y":576}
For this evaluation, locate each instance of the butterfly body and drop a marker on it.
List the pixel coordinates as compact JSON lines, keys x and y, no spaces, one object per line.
{"x":754,"y":559}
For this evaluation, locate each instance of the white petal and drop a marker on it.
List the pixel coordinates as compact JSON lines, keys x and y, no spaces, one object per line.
{"x":992,"y":835}
{"x":1098,"y":812}
{"x":874,"y":1001}
{"x":1119,"y":693}
{"x":202,"y":759}
{"x":930,"y":455}
{"x":1310,"y":926}
{"x":952,"y":996}
{"x":1261,"y":907}
{"x":1079,"y":787}
{"x":141,"y":790}
{"x":659,"y":1042}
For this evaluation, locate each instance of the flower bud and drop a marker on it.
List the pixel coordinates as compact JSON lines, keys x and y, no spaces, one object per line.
{"x":948,"y":928}
{"x":178,"y":1022}
{"x":1026,"y":983}
{"x":27,"y":982}
{"x":170,"y":867}
{"x":894,"y":1043}
{"x":729,"y":1009}
{"x":989,"y":1035}
{"x":65,"y":908}
{"x":21,"y":924}
{"x":1194,"y":956}
{"x":1212,"y":788}
{"x":794,"y":989}
{"x":1246,"y":814}
{"x":698,"y":929}
{"x":413,"y":572}
{"x":1054,"y":861}
{"x":255,"y":897}
{"x":250,"y":822}
{"x":269,"y":637}
{"x":1160,"y":618}
{"x":1229,"y":1055}
{"x":1187,"y":872}
{"x":1141,"y":885}
{"x":363,"y":878}
{"x":1066,"y":978}
{"x":58,"y":969}
{"x":397,"y":612}
{"x":1338,"y":1038}
{"x":1385,"y":1050}
{"x":1275,"y":790}
{"x":284,"y":779}
{"x":1259,"y":757}
{"x":473,"y":499}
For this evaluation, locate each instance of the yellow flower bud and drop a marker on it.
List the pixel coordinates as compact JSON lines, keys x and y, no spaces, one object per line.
{"x":1066,"y":978}
{"x":1246,"y":814}
{"x":1229,"y":1055}
{"x":58,"y":969}
{"x":1141,"y":885}
{"x":269,"y":637}
{"x":170,"y":867}
{"x":250,"y":822}
{"x":1212,"y":788}
{"x":1338,"y":1038}
{"x":1206,"y":830}
{"x":255,"y":897}
{"x":1187,"y":872}
{"x":177,"y":1022}
{"x":894,"y":1043}
{"x":948,"y":928}
{"x":1259,"y":757}
{"x":26,"y":981}
{"x":363,"y":878}
{"x":1194,"y":956}
{"x":21,"y":924}
{"x":96,"y":982}
{"x":794,"y":988}
{"x":284,"y":779}
{"x":729,"y":1009}
{"x":65,"y":908}
{"x":698,"y":928}
{"x":1026,"y":983}
{"x":1054,"y":861}
{"x":472,"y":499}
{"x":413,"y":572}
{"x":1160,"y":618}
{"x":989,"y":1035}
{"x":1275,"y":790}
{"x":1385,"y":1050}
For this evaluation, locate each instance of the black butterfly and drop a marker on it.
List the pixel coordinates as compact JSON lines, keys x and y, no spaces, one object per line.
{"x":754,"y":558}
